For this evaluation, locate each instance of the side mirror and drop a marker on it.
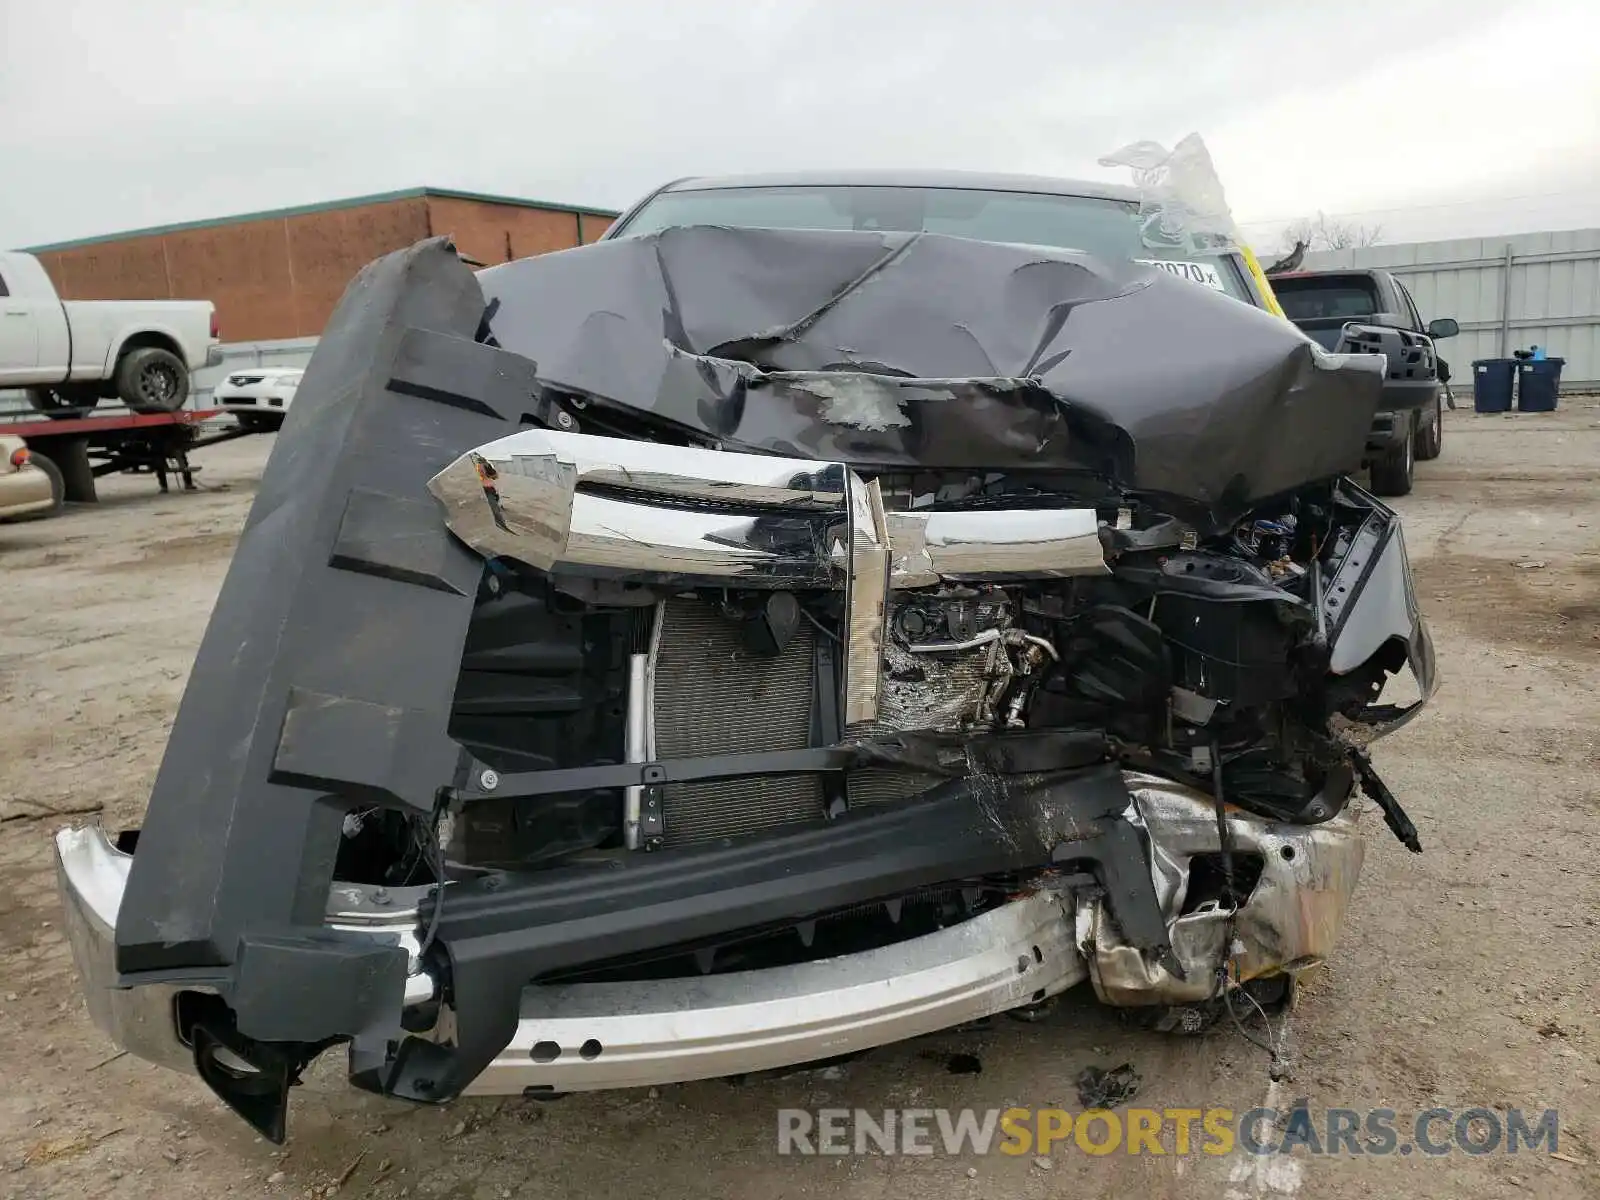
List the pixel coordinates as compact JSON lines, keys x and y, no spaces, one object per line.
{"x":1443,"y":327}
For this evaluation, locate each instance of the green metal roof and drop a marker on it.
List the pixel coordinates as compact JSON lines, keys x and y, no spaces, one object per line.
{"x":327,"y":206}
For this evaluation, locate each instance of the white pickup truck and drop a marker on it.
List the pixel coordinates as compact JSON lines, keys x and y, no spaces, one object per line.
{"x":70,"y":354}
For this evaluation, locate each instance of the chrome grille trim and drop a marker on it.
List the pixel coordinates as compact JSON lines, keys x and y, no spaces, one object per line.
{"x":688,"y":515}
{"x":638,"y":735}
{"x":866,"y":600}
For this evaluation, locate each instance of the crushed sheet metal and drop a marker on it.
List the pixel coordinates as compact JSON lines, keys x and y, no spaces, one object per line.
{"x":892,"y":350}
{"x":1290,"y":921}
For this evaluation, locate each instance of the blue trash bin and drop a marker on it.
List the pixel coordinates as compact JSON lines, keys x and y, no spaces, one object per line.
{"x":1538,"y":384}
{"x":1492,"y":380}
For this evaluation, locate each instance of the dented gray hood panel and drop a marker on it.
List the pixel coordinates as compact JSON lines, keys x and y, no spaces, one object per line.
{"x":896,"y":350}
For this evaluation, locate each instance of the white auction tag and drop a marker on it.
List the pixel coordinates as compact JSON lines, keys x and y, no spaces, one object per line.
{"x":1197,"y":272}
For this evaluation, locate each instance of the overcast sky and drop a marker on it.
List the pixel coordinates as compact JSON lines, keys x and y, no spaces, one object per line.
{"x":1431,"y":118}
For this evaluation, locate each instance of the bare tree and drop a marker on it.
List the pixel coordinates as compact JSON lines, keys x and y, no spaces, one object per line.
{"x":1323,"y":232}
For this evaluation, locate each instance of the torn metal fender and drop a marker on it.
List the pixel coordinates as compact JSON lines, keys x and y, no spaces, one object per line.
{"x":1290,"y":922}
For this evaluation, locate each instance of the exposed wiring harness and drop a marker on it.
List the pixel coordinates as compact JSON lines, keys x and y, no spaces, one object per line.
{"x":435,"y":849}
{"x":1227,"y":966}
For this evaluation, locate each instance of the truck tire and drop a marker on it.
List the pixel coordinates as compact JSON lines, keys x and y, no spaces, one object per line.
{"x":152,"y":380}
{"x":69,"y":460}
{"x":61,"y":405}
{"x":1430,"y":436}
{"x":1393,"y":473}
{"x":58,"y":486}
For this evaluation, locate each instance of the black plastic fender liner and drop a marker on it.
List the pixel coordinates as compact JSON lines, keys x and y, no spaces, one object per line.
{"x":346,"y":604}
{"x":502,"y":932}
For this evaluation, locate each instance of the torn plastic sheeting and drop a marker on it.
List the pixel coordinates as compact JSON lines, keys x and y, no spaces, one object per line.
{"x":1000,"y":357}
{"x":1181,"y":200}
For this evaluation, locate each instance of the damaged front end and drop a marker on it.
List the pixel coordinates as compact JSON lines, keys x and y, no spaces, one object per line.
{"x":722,"y":650}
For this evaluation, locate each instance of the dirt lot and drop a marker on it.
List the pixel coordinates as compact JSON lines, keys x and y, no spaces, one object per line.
{"x":1466,"y":976}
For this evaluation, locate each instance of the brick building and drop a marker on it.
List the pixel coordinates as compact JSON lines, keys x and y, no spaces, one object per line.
{"x":279,"y":274}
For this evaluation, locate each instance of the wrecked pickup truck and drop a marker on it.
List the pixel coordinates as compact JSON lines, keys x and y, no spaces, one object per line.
{"x":720,"y":649}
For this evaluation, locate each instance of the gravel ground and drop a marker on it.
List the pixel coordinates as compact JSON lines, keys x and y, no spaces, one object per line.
{"x":1465,"y":976}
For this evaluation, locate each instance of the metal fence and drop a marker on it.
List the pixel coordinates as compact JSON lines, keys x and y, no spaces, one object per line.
{"x":1508,"y":293}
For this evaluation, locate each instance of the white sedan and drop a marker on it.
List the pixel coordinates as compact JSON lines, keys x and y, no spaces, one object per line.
{"x":259,"y":395}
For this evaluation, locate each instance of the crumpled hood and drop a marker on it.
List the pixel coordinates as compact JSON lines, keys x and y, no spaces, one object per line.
{"x":918,"y":350}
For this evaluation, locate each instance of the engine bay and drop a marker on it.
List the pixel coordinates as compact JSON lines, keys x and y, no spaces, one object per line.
{"x":1196,"y":659}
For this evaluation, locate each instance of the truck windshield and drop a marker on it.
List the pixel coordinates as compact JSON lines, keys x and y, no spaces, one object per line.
{"x":1102,"y":227}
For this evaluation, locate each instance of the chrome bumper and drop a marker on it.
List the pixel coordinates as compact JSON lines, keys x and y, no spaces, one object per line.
{"x":582,"y":1037}
{"x":91,"y":876}
{"x":594,"y":1036}
{"x":610,"y":1035}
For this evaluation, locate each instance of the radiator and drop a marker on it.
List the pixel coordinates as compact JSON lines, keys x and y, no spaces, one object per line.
{"x":712,"y":696}
{"x":935,"y":692}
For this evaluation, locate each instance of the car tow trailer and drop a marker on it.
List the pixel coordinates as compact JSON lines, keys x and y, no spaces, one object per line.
{"x":84,"y":448}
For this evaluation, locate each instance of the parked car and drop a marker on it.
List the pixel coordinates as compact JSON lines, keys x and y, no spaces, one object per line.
{"x":737,"y":643}
{"x":71,"y":354}
{"x":259,"y":396}
{"x":1371,"y":310}
{"x":26,"y":487}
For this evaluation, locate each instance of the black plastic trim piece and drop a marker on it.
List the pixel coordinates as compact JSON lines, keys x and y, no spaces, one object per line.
{"x":677,"y":770}
{"x":502,"y":932}
{"x":328,"y":626}
{"x":394,"y":538}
